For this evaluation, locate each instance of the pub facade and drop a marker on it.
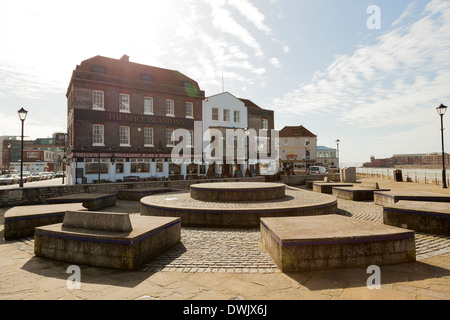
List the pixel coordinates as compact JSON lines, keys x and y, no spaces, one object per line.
{"x":121,"y":119}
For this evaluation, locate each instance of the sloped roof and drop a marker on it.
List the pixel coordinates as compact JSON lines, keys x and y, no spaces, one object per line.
{"x":126,"y":69}
{"x":296,"y":131}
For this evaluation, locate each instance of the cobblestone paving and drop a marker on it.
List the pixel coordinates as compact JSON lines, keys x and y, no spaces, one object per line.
{"x":240,"y":251}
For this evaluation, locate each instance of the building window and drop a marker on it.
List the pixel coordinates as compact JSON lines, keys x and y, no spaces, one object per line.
{"x":189,"y":110}
{"x":169,"y":138}
{"x":140,"y":165}
{"x":159,"y":165}
{"x":98,"y":100}
{"x":146,"y":77}
{"x":215,"y":114}
{"x":148,"y":137}
{"x":98,"y":69}
{"x":264,"y":124}
{"x":148,"y":105}
{"x":237,"y":116}
{"x":98,"y":135}
{"x":170,"y":108}
{"x":124,"y":136}
{"x":190,"y":141}
{"x":92,"y":166}
{"x":124,"y":102}
{"x":120,"y":165}
{"x":226,"y":115}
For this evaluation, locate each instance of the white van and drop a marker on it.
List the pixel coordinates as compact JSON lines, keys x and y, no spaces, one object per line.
{"x":317,"y":170}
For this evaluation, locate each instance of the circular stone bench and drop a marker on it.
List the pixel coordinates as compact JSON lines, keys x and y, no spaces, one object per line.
{"x":236,"y":214}
{"x":421,"y":216}
{"x":240,"y":191}
{"x":298,"y":244}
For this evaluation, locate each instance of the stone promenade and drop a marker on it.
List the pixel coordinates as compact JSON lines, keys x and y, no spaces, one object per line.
{"x":227,"y":264}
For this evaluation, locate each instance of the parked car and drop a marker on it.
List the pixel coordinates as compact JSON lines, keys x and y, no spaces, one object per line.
{"x":36,"y":176}
{"x":60,"y":174}
{"x":6,"y":179}
{"x":43,"y":175}
{"x":317,"y":170}
{"x":26,"y":176}
{"x":16,"y":178}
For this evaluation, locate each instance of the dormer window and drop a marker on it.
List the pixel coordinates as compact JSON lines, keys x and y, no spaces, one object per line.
{"x":98,"y":69}
{"x":146,"y":77}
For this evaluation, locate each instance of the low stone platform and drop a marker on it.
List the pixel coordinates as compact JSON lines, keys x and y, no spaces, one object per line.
{"x":299,"y":244}
{"x":385,"y":198}
{"x":91,"y":201}
{"x":363,"y":192}
{"x":138,"y":194}
{"x":20,"y":221}
{"x":236,"y":214}
{"x":420,"y":216}
{"x":327,"y":187}
{"x":239,"y":191}
{"x":106,"y":239}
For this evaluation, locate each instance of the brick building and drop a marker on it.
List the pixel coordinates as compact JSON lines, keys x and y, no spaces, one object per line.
{"x":298,"y":147}
{"x":121,"y":117}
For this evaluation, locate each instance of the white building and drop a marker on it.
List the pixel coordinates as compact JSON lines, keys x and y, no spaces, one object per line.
{"x":221,"y":112}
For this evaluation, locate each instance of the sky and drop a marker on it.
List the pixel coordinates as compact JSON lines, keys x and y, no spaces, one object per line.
{"x":369,"y":73}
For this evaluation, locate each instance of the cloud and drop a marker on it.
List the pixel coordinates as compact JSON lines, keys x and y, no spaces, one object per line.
{"x":390,"y":83}
{"x":252,"y":14}
{"x":275,"y":62}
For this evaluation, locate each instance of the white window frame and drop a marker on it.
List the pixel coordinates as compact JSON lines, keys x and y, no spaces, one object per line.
{"x":190,"y":143}
{"x":98,"y":135}
{"x":169,"y":140}
{"x":148,"y":109}
{"x":238,"y":114}
{"x":212,"y":114}
{"x":266,"y":122}
{"x":147,"y":130}
{"x":124,"y":136}
{"x":98,"y":100}
{"x":189,"y":110}
{"x":124,"y":102}
{"x":226,"y":115}
{"x":170,"y":108}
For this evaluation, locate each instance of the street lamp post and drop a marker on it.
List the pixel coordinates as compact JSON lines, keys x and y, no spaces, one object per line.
{"x":441,"y":111}
{"x":337,"y":152}
{"x":22,"y":116}
{"x":9,"y":156}
{"x":64,"y":160}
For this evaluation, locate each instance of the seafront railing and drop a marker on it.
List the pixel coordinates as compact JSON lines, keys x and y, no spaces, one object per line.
{"x":408,"y":175}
